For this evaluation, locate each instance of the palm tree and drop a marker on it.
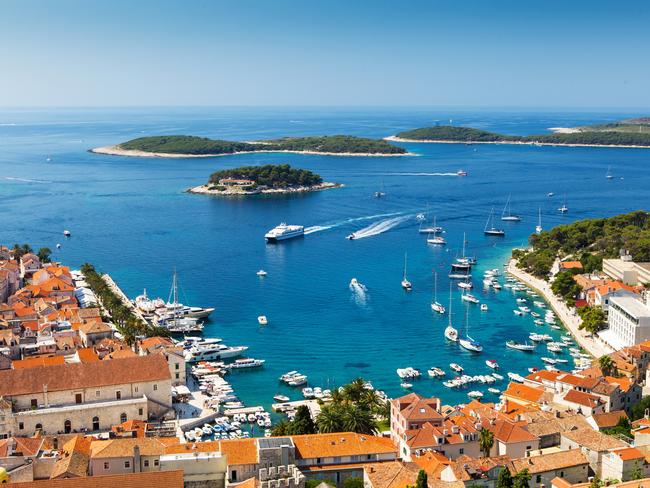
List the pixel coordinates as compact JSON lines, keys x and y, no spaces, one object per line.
{"x":359,"y":420}
{"x":355,"y":390}
{"x":329,"y":419}
{"x":486,"y":441}
{"x":607,"y":365}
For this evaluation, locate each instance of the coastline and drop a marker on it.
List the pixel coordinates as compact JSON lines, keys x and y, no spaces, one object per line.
{"x":513,"y":143}
{"x":569,"y":319}
{"x":205,"y":190}
{"x":117,"y":151}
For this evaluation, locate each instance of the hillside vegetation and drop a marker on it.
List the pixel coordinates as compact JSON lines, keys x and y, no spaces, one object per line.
{"x":590,"y":241}
{"x":270,"y":175}
{"x":202,"y":146}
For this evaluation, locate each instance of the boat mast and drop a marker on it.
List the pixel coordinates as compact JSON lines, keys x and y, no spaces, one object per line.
{"x":450,"y":304}
{"x":404,"y":266}
{"x":464,"y":235}
{"x":435,"y":286}
{"x":507,"y":207}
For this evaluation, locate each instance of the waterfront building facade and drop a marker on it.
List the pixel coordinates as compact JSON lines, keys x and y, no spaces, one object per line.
{"x":629,"y":322}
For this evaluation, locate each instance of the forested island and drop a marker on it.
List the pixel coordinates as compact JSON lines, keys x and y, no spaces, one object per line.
{"x":193,"y":146}
{"x":588,"y":241}
{"x":270,"y":178}
{"x":627,"y":133}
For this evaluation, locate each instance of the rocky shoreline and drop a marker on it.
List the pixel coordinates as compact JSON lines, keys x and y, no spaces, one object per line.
{"x":231,"y":192}
{"x":521,"y":143}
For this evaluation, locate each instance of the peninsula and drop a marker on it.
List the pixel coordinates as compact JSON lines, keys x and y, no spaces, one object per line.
{"x":253,"y":180}
{"x":626,"y":133}
{"x":191,"y":146}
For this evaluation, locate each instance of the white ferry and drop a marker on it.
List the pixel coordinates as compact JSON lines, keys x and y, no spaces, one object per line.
{"x":283,"y":232}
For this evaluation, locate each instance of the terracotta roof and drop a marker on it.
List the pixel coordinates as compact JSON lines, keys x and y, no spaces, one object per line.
{"x":150,"y":479}
{"x":432,"y":436}
{"x":149,"y":446}
{"x":524,"y":392}
{"x":432,"y":462}
{"x":629,"y":453}
{"x":393,"y":474}
{"x":38,"y":361}
{"x":549,"y":462}
{"x":340,"y":444}
{"x":544,"y":375}
{"x":623,"y":383}
{"x":548,"y":426}
{"x":133,"y":425}
{"x":510,"y":432}
{"x":87,"y":355}
{"x":416,"y":408}
{"x":23,"y":446}
{"x":212,"y":446}
{"x":570,"y":265}
{"x":608,"y":419}
{"x":82,"y":375}
{"x":95,"y":328}
{"x":74,"y":459}
{"x":593,"y":440}
{"x":121,"y":354}
{"x":153,"y":342}
{"x":466,"y":468}
{"x":239,"y":451}
{"x":582,"y":398}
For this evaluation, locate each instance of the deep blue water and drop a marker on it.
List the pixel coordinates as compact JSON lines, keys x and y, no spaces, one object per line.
{"x":131,"y":218}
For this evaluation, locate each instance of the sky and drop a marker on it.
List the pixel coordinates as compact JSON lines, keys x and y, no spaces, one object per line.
{"x":451,"y":53}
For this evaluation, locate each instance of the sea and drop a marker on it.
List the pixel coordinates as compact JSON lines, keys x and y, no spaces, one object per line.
{"x":132,"y":218}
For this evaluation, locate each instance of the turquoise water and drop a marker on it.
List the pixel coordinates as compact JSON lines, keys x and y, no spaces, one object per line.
{"x":131,"y":218}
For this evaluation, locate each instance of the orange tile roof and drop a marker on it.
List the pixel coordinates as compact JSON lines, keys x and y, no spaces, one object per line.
{"x":608,"y":419}
{"x":431,"y":462}
{"x":123,"y":447}
{"x":544,"y":375}
{"x":37,"y":361}
{"x":629,"y":453}
{"x":582,"y":398}
{"x":549,"y":462}
{"x":340,"y":444}
{"x":239,"y":451}
{"x":524,"y":392}
{"x":150,"y":479}
{"x":87,"y":355}
{"x":593,"y":440}
{"x":571,"y":265}
{"x":416,"y":408}
{"x":509,"y":432}
{"x":623,"y":383}
{"x":394,"y":474}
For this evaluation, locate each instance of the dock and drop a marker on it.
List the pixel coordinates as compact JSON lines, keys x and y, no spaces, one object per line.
{"x":229,"y":412}
{"x":312,"y":405}
{"x":122,"y":296}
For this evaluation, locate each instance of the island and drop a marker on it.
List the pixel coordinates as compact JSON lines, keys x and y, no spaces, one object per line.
{"x":179,"y":146}
{"x":270,"y":178}
{"x":626,"y":133}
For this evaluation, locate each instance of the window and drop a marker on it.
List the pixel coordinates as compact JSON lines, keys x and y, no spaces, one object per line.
{"x":155,"y":462}
{"x":155,"y":387}
{"x":95,"y":423}
{"x":67,"y":427}
{"x":136,"y":389}
{"x":233,"y":474}
{"x":39,"y":427}
{"x":528,"y":448}
{"x":106,"y":466}
{"x":34,"y":403}
{"x":177,"y":365}
{"x":77,"y":398}
{"x":118,"y":395}
{"x":369,"y":456}
{"x":561,"y":474}
{"x":21,"y":426}
{"x":97,"y":393}
{"x":538,"y":478}
{"x":146,"y":463}
{"x":140,"y":412}
{"x":176,"y":375}
{"x":127,"y":464}
{"x":122,"y":418}
{"x":318,"y":460}
{"x":461,"y":451}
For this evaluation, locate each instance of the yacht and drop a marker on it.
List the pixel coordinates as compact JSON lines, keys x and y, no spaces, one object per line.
{"x":609,"y":174}
{"x":467,"y":342}
{"x":490,"y":229}
{"x":563,"y":208}
{"x":507,"y":216}
{"x":538,"y":227}
{"x":520,"y":347}
{"x":406,"y":284}
{"x":460,"y":276}
{"x":247,"y":363}
{"x":146,"y":304}
{"x":435,"y":305}
{"x":436,"y":240}
{"x":468,"y":297}
{"x":381,"y":193}
{"x":262,"y":320}
{"x":430,"y":229}
{"x":461,"y":172}
{"x":261,"y":272}
{"x":466,"y":285}
{"x":212,"y":352}
{"x":283,"y":232}
{"x":181,"y":325}
{"x":450,"y":332}
{"x":491,"y":363}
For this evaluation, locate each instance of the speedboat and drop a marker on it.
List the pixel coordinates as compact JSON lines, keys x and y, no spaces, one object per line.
{"x":283,"y":232}
{"x":518,"y":312}
{"x":497,"y":376}
{"x":484,"y":307}
{"x":563,"y":209}
{"x":262,"y":320}
{"x":350,"y":237}
{"x":261,"y":272}
{"x":470,"y":344}
{"x":550,"y":194}
{"x":494,"y":390}
{"x":434,"y":372}
{"x":491,"y":363}
{"x":516,"y":377}
{"x":468,"y":297}
{"x":520,"y":347}
{"x":456,"y":367}
{"x":67,"y":233}
{"x":406,"y":385}
{"x":408,"y":372}
{"x":461,"y":172}
{"x":281,"y":398}
{"x":475,"y":394}
{"x":467,"y":285}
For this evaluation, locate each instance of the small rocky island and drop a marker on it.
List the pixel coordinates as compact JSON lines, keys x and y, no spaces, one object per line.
{"x":192,"y":146}
{"x":270,"y":178}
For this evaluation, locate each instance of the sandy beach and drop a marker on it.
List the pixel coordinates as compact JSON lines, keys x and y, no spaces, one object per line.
{"x":512,"y":143}
{"x":569,"y":317}
{"x":118,"y":151}
{"x":205,"y":190}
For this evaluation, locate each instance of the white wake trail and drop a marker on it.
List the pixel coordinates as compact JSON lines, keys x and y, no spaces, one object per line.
{"x":421,"y":174}
{"x":319,"y":228}
{"x":380,"y":227}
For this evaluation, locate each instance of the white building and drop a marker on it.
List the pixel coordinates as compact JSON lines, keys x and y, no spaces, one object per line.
{"x":628,"y":320}
{"x":627,"y":271}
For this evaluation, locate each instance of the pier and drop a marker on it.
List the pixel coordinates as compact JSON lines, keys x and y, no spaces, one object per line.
{"x":570,"y":319}
{"x":312,"y":405}
{"x":122,"y":296}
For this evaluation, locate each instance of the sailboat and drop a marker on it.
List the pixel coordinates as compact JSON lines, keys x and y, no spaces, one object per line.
{"x":467,"y":342}
{"x":450,"y":333}
{"x":406,"y":284}
{"x":429,"y":229}
{"x":490,"y":229}
{"x":563,"y":208}
{"x":538,"y":227}
{"x":506,"y":215}
{"x":436,"y":240}
{"x":179,"y":318}
{"x":381,"y":193}
{"x":463,"y":263}
{"x":609,"y":174}
{"x":435,"y":305}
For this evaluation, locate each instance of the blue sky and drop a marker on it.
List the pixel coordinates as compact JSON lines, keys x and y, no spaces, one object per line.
{"x":484,"y":53}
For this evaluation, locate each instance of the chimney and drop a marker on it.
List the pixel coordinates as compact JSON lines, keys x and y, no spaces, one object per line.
{"x":136,"y":459}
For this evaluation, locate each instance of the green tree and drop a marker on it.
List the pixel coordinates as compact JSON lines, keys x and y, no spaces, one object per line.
{"x":422,"y":481}
{"x":302,"y":422}
{"x":595,"y":482}
{"x":355,"y":418}
{"x":593,"y":319}
{"x":44,"y":254}
{"x":505,"y":478}
{"x":637,"y":472}
{"x":565,"y":286}
{"x":486,"y":441}
{"x":281,"y":429}
{"x":521,"y":479}
{"x":329,"y":419}
{"x":353,"y":483}
{"x":638,"y":410}
{"x":607,"y":365}
{"x":622,"y":427}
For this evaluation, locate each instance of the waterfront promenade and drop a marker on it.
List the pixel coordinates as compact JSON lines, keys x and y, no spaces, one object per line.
{"x":569,"y":317}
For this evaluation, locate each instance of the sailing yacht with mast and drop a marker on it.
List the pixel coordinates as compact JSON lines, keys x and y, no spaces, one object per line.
{"x":538,"y":227}
{"x":462,"y":263}
{"x":450,"y":332}
{"x":406,"y":284}
{"x":609,"y":174}
{"x":430,"y":229}
{"x":178,"y":318}
{"x":381,"y":193}
{"x":435,"y":305}
{"x":506,"y":215}
{"x":467,"y":342}
{"x":563,"y":208}
{"x":490,"y":229}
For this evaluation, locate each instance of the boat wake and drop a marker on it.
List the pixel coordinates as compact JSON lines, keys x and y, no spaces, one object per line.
{"x":359,"y":292}
{"x":25,"y":180}
{"x":421,"y":174}
{"x":319,"y":228}
{"x":380,"y":227}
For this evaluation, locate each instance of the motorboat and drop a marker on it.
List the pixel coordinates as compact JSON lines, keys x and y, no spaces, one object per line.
{"x":281,"y":398}
{"x":484,"y":307}
{"x":456,"y":367}
{"x":518,"y":312}
{"x":461,"y":172}
{"x":468,"y":297}
{"x":495,"y":391}
{"x":466,"y":285}
{"x":548,"y":360}
{"x":436,"y":240}
{"x":351,"y":237}
{"x":434,"y":372}
{"x":406,"y":284}
{"x":406,"y":385}
{"x":470,"y":344}
{"x":538,"y":227}
{"x":246,"y":363}
{"x":212,"y":352}
{"x":262,"y":320}
{"x":460,"y":276}
{"x":516,"y":377}
{"x":550,"y":194}
{"x":491,"y":363}
{"x":283,"y":232}
{"x":497,"y":376}
{"x":261,"y":272}
{"x":520,"y":347}
{"x":408,"y":372}
{"x":475,"y":394}
{"x":67,"y":233}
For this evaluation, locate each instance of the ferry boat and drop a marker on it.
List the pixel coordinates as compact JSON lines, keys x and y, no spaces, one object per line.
{"x":283,"y":232}
{"x":507,"y":216}
{"x":246,"y":363}
{"x":490,"y":229}
{"x":520,"y":347}
{"x":202,"y":351}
